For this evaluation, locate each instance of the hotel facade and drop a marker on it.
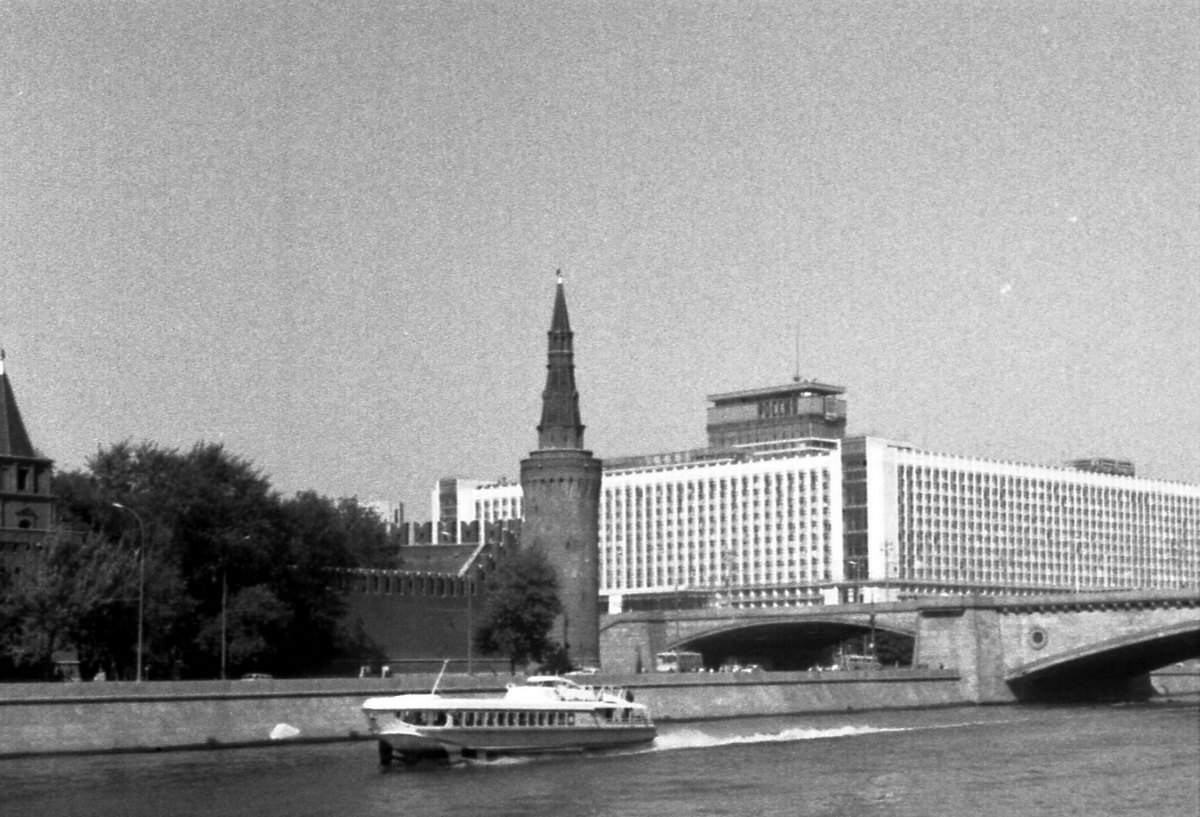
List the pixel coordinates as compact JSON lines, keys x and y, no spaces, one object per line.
{"x":782,"y":509}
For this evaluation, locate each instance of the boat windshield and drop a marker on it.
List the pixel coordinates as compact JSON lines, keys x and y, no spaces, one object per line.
{"x":422,"y":717}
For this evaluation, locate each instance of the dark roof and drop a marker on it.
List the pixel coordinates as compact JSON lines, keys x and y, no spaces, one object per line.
{"x":14,"y":440}
{"x":560,"y":427}
{"x":795,"y":387}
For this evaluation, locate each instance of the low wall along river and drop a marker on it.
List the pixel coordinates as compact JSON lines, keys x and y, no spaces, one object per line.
{"x":124,"y":716}
{"x":153,"y":716}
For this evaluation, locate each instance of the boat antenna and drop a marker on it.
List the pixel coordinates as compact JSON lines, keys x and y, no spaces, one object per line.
{"x":445,"y":664}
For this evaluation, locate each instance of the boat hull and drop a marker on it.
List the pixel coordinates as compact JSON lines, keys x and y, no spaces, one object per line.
{"x":517,"y":741}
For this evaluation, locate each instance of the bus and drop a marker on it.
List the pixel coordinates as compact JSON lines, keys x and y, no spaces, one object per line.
{"x":678,"y":661}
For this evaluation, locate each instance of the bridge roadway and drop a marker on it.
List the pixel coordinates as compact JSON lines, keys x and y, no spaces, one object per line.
{"x":1062,"y":646}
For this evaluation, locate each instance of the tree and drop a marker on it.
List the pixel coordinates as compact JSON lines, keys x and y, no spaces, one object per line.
{"x":322,"y":535}
{"x":230,"y":567}
{"x":81,"y":595}
{"x":208,"y":519}
{"x":522,"y":603}
{"x":255,"y":621}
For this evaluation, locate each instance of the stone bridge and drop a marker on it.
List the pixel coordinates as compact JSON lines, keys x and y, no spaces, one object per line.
{"x":789,"y":638}
{"x":1065,"y":646}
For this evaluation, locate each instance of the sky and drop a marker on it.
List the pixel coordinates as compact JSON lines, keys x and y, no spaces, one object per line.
{"x":325,"y":234}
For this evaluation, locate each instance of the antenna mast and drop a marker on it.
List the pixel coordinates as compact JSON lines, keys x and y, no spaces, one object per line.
{"x":796,"y":376}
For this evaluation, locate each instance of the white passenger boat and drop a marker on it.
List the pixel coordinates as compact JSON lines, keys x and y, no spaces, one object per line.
{"x":547,"y":713}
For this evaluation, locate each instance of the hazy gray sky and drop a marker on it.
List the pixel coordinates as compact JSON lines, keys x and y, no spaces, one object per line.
{"x":325,"y":233}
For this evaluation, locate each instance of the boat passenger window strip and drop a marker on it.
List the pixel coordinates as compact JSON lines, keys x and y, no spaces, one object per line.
{"x":508,"y":719}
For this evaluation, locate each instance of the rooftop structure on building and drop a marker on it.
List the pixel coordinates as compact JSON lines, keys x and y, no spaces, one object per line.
{"x":1104,"y":465}
{"x":801,"y":409}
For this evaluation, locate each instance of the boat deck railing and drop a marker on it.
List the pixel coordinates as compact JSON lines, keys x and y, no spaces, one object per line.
{"x":598,"y":694}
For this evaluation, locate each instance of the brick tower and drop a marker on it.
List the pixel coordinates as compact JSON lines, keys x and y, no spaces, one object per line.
{"x":561,"y":486}
{"x":26,"y":501}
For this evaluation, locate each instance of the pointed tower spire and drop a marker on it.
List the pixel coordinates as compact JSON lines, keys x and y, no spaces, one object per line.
{"x":560,"y":427}
{"x":14,"y":440}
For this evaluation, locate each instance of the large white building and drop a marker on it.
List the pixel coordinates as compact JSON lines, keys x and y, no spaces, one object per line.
{"x":935,"y":523}
{"x":779,"y":521}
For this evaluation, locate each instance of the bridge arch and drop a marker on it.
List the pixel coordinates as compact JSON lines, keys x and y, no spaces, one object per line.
{"x":1112,"y":668}
{"x":783,"y":644}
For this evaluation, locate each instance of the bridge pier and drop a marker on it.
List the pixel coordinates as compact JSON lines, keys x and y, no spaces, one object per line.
{"x":965,"y":637}
{"x":630,"y":648}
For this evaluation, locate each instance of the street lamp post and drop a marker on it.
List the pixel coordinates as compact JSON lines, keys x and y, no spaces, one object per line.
{"x":851,"y":575}
{"x":470,"y":622}
{"x":224,"y":599}
{"x":141,"y":615}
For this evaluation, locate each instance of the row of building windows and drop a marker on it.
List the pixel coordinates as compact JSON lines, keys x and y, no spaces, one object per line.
{"x":23,"y":479}
{"x":727,"y":525}
{"x":958,"y":524}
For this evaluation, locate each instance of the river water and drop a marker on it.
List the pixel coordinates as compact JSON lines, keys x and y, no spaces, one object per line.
{"x":1012,"y":760}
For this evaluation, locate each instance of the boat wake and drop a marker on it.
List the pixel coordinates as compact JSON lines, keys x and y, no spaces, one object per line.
{"x":691,"y":738}
{"x":697,"y":739}
{"x":683,"y":738}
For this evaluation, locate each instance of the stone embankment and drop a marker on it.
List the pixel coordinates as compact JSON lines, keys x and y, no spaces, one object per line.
{"x":1179,"y":683}
{"x":155,"y":716}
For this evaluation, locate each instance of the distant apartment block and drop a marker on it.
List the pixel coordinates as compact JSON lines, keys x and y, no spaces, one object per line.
{"x":389,"y":511}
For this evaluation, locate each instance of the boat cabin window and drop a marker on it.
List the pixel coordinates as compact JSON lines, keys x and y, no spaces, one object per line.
{"x":505,"y":719}
{"x":423,"y":717}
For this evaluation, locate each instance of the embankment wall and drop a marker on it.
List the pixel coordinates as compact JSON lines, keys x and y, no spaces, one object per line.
{"x":1179,"y":683}
{"x":153,"y":716}
{"x":698,"y":696}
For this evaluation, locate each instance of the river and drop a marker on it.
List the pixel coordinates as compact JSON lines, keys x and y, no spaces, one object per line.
{"x":1011,"y":760}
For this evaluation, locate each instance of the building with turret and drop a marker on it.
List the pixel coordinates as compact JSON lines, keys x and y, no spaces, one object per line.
{"x":560,"y":485}
{"x":26,"y":500}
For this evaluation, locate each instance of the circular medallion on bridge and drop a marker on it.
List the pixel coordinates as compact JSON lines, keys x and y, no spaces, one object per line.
{"x":1038,"y":638}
